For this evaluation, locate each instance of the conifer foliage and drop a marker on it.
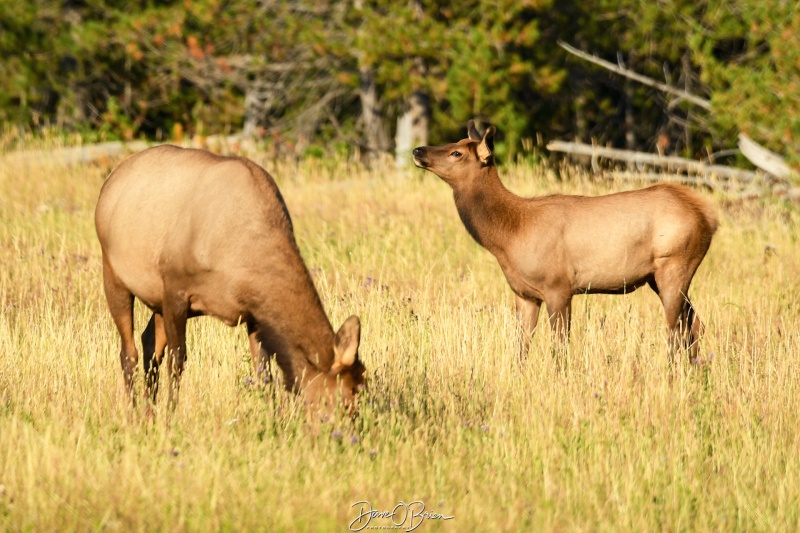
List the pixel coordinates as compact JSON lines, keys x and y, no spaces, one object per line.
{"x":343,"y":72}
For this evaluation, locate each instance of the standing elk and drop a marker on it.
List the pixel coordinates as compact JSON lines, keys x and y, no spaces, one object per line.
{"x":551,"y":248}
{"x":191,"y":233}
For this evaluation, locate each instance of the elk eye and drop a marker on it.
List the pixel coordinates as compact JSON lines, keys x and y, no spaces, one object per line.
{"x":456,"y":153}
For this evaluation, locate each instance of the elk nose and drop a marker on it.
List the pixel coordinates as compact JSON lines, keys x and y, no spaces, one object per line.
{"x":418,"y":152}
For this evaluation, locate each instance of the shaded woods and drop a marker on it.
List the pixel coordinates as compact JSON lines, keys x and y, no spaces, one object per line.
{"x":376,"y":75}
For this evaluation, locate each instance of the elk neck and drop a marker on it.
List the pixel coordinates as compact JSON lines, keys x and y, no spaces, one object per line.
{"x":491,"y":213}
{"x":292,"y":324}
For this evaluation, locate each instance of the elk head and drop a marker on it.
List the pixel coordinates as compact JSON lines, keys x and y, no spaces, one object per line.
{"x":459,"y":161}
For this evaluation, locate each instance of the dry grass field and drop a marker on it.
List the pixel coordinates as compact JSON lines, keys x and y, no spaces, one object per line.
{"x":615,"y":441}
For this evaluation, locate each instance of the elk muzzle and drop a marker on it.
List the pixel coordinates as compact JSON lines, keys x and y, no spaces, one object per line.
{"x":419,"y":157}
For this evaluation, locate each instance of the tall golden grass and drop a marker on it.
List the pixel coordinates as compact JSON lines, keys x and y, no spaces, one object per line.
{"x":614,"y":441}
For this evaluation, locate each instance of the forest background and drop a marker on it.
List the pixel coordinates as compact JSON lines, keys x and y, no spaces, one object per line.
{"x":309,"y":77}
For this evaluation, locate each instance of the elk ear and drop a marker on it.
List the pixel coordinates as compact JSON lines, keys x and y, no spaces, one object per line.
{"x":486,"y":147}
{"x":345,"y":345}
{"x":472,"y":131}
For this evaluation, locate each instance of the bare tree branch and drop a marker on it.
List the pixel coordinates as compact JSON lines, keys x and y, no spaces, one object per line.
{"x":702,"y":102}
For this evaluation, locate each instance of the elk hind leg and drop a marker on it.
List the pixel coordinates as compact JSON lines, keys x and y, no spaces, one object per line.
{"x":120,"y":304}
{"x":154,"y":340}
{"x":176,"y":313}
{"x":685,"y":328}
{"x":693,"y":329}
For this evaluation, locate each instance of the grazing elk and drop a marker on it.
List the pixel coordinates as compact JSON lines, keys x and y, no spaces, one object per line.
{"x":191,"y":233}
{"x":551,"y":248}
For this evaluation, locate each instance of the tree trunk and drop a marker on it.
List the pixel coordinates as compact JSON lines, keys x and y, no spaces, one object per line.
{"x":255,"y":109}
{"x":686,"y":65}
{"x":377,"y":139}
{"x":412,"y":127}
{"x":630,"y":133}
{"x":375,"y":133}
{"x":581,"y":125}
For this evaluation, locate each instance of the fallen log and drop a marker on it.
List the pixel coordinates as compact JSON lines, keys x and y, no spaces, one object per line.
{"x":765,"y":159}
{"x":655,"y":160}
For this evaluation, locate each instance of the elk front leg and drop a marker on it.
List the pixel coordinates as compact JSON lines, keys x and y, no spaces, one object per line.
{"x":528,"y":315}
{"x":259,"y":356}
{"x":559,"y":307}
